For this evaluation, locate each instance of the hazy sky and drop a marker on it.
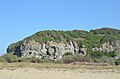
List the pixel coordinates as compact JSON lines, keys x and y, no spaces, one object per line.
{"x":21,"y":18}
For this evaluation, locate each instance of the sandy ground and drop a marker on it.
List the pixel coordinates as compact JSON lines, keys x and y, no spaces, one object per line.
{"x":32,"y":73}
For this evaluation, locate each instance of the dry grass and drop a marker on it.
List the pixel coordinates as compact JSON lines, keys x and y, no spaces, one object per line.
{"x":39,"y":66}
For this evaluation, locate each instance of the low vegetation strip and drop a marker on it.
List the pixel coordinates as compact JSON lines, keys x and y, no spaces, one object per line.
{"x":13,"y":66}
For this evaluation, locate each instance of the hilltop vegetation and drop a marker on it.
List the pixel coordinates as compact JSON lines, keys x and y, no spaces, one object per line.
{"x":89,"y":40}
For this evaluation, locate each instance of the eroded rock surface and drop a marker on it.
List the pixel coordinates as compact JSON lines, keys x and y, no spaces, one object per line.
{"x":50,"y":49}
{"x":110,"y":46}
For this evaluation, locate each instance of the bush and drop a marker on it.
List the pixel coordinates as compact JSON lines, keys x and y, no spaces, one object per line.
{"x":111,"y":54}
{"x":10,"y":58}
{"x":68,"y":59}
{"x":108,"y":38}
{"x":21,"y":59}
{"x":96,"y":54}
{"x":39,"y":60}
{"x":80,"y":58}
{"x":2,"y":59}
{"x":107,"y":60}
{"x":68,"y":53}
{"x":117,"y":62}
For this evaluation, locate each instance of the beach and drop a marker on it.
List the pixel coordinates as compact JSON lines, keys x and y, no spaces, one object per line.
{"x":43,"y":71}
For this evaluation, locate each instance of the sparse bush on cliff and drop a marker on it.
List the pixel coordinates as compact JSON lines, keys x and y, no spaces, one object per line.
{"x":111,"y":54}
{"x":96,"y":54}
{"x":9,"y":57}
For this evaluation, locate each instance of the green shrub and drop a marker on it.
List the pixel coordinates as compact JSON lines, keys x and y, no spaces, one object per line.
{"x":10,"y":58}
{"x":108,"y":38}
{"x":96,"y":54}
{"x":47,"y":39}
{"x":111,"y":54}
{"x":2,"y":59}
{"x":68,"y":59}
{"x":80,"y":58}
{"x":46,"y":60}
{"x":39,"y":60}
{"x":68,"y":53}
{"x":21,"y":59}
{"x":107,"y":60}
{"x":117,"y":62}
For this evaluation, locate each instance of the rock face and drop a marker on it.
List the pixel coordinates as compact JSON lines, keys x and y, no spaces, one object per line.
{"x":110,"y":46}
{"x":50,"y":49}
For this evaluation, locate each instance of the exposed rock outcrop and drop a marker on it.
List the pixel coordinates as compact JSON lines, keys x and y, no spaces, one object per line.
{"x":50,"y":49}
{"x":110,"y":46}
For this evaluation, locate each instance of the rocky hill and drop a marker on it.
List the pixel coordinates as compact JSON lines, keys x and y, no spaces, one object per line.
{"x":51,"y":44}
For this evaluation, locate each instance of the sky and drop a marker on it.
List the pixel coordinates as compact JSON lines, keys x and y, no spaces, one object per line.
{"x":22,"y":18}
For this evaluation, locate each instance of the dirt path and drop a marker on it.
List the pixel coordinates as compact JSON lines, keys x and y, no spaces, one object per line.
{"x":31,"y":73}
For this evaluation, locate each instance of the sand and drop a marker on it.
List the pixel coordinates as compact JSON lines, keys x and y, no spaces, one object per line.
{"x":32,"y":73}
{"x":57,"y":71}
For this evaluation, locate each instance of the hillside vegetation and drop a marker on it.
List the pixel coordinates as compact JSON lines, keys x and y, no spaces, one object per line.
{"x":94,"y":39}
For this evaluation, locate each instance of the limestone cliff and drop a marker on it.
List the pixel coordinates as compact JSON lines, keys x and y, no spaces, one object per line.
{"x":49,"y":49}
